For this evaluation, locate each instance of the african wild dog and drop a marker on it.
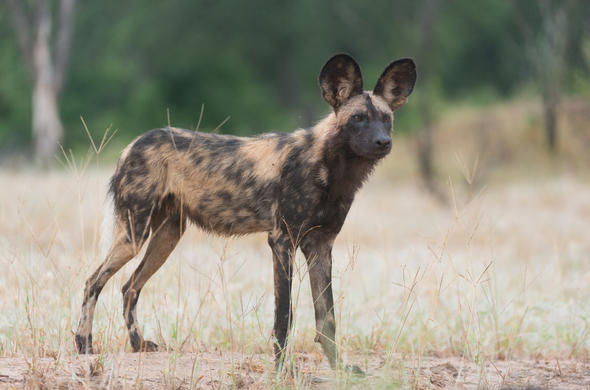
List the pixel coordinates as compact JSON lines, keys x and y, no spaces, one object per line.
{"x":296,"y":186}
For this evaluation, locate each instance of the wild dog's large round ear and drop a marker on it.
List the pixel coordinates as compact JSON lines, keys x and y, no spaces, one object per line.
{"x":397,"y":82}
{"x":340,"y":79}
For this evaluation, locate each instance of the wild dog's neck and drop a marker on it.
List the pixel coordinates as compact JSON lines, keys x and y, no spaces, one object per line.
{"x":347,"y":171}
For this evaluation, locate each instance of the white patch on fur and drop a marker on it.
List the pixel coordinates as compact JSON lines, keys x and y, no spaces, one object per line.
{"x":323,"y":175}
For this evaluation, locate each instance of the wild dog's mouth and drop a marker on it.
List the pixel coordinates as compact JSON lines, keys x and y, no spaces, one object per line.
{"x":376,"y":154}
{"x":372,"y":150}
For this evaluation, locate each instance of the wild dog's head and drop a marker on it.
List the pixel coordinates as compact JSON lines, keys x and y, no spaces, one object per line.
{"x":365,"y":118}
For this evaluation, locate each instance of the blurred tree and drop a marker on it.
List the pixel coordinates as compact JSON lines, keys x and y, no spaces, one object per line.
{"x":428,"y":14}
{"x":546,"y":52}
{"x":257,"y":62}
{"x":46,"y":67}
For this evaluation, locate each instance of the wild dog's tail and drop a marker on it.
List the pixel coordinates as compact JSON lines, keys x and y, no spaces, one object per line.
{"x":107,"y":226}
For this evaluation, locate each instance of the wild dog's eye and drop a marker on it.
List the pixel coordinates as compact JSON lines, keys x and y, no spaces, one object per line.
{"x":357,"y":117}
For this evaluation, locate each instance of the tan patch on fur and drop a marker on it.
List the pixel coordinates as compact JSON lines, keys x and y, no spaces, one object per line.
{"x":189,"y":184}
{"x":263,"y":152}
{"x":354,"y":105}
{"x":323,"y":133}
{"x":299,"y":137}
{"x":380,"y":103}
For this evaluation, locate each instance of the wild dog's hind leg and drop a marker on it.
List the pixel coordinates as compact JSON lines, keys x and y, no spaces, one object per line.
{"x":122,"y":250}
{"x":166,"y":231}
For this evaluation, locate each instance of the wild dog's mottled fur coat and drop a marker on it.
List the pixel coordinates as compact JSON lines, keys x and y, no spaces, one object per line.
{"x":296,"y":186}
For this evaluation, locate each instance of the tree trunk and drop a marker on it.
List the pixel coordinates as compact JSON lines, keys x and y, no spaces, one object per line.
{"x":33,"y":32}
{"x":47,"y":127}
{"x":550,"y":108}
{"x":425,"y":147}
{"x":547,"y":55}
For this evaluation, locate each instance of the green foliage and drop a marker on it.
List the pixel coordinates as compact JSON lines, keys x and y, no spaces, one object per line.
{"x":15,"y":94}
{"x":258,"y":61}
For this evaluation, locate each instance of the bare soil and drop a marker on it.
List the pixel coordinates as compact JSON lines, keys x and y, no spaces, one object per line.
{"x":211,"y":370}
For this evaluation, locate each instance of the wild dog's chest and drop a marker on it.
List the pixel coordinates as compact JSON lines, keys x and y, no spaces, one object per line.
{"x":309,"y":198}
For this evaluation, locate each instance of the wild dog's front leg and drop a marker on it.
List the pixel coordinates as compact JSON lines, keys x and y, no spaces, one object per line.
{"x":282,"y":254}
{"x":318,"y":252}
{"x":317,"y":248}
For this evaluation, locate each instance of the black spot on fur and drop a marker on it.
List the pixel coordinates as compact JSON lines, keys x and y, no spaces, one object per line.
{"x":197,"y":158}
{"x":135,"y":341}
{"x":224,"y":195}
{"x":283,"y":140}
{"x":181,"y":142}
{"x":238,"y":171}
{"x":221,"y":147}
{"x":96,"y":289}
{"x":240,"y":220}
{"x":308,"y":139}
{"x":178,"y":139}
{"x":137,"y":210}
{"x":205,"y":202}
{"x":231,"y":145}
{"x":130,"y":299}
{"x":133,"y":167}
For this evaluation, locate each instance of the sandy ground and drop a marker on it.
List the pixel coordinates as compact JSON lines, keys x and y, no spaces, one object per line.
{"x":202,"y":370}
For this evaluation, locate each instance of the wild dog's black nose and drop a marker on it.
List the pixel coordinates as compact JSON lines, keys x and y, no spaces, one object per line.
{"x":383,"y":141}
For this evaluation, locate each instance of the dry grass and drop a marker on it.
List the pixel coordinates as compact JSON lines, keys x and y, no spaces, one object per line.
{"x":427,"y":295}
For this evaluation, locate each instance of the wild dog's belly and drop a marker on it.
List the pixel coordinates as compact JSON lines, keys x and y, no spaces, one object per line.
{"x":229,"y":218}
{"x":232,"y":209}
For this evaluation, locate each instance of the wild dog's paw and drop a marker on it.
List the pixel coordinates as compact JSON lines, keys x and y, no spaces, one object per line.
{"x":149,"y":346}
{"x":354,"y":370}
{"x":84,"y":344}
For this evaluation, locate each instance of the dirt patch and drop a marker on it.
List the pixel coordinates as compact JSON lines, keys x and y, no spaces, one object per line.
{"x":222,"y":370}
{"x":521,"y":374}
